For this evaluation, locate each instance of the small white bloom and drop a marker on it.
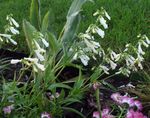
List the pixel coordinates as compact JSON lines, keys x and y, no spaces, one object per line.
{"x":75,"y":56}
{"x":40,"y":56}
{"x":106,"y":14}
{"x":124,"y":71}
{"x":103,"y":22}
{"x":84,"y":59}
{"x":140,"y":49}
{"x":144,"y":43}
{"x":113,"y":55}
{"x":147,"y":40}
{"x":40,"y":66}
{"x":45,"y":42}
{"x":112,"y":64}
{"x":34,"y":60}
{"x":105,"y":69}
{"x":12,"y":41}
{"x":92,"y":45}
{"x":100,"y":32}
{"x":15,"y":61}
{"x":13,"y":30}
{"x":14,"y":22}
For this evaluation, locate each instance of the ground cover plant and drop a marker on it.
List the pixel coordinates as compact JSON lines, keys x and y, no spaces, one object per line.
{"x":70,"y":73}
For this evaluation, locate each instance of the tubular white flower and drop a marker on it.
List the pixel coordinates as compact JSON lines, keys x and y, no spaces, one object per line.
{"x":84,"y":59}
{"x":12,"y":41}
{"x":14,"y":22}
{"x":40,"y":56}
{"x":112,"y":64}
{"x":15,"y":61}
{"x":45,"y":42}
{"x":100,"y":32}
{"x":40,"y":66}
{"x":92,"y":45}
{"x":105,"y":69}
{"x":13,"y":30}
{"x":107,"y":16}
{"x":34,"y":60}
{"x":147,"y":40}
{"x":103,"y":22}
{"x":144,"y":43}
{"x":140,"y":51}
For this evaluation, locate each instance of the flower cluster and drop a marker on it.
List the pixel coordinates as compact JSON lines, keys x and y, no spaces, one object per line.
{"x":39,"y":52}
{"x":120,"y":100}
{"x":130,"y":59}
{"x":10,"y":30}
{"x":126,"y":99}
{"x":131,"y":103}
{"x":88,"y":46}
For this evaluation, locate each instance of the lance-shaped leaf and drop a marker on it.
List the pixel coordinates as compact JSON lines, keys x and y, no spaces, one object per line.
{"x":29,"y":33}
{"x":73,"y":20}
{"x":35,"y":17}
{"x":47,"y":21}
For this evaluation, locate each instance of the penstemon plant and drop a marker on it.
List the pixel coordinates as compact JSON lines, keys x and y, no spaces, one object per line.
{"x":44,"y":94}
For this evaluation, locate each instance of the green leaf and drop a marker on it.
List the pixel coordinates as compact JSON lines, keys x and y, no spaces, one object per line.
{"x":54,"y":44}
{"x":47,"y":22}
{"x":28,"y":31}
{"x":72,"y":24}
{"x":58,"y":85}
{"x":35,"y":17}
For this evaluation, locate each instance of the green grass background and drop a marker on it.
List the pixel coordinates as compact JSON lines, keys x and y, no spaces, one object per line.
{"x":129,"y":17}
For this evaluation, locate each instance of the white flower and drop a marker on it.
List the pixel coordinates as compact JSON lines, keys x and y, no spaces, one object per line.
{"x":112,"y":64}
{"x":144,"y":43}
{"x":40,"y":56}
{"x":106,"y":14}
{"x":130,"y":60}
{"x":124,"y":71}
{"x":84,"y":59}
{"x":140,"y":51}
{"x":34,"y":60}
{"x":15,"y":61}
{"x":100,"y":32}
{"x":40,"y":66}
{"x":13,"y":30}
{"x":147,"y":40}
{"x":103,"y":22}
{"x":7,"y":36}
{"x":105,"y":69}
{"x":12,"y":21}
{"x":113,"y":55}
{"x":45,"y":42}
{"x":92,"y":45}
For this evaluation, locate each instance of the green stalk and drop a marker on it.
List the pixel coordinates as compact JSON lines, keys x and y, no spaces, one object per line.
{"x":98,"y":102}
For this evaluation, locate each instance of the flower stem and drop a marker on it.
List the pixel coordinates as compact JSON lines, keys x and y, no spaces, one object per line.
{"x":98,"y":102}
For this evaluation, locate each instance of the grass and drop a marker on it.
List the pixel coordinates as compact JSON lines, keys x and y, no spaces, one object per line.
{"x":129,"y":17}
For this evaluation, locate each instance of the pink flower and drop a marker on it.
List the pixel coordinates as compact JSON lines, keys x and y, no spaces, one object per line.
{"x":96,"y":114}
{"x":45,"y":115}
{"x":135,"y":114}
{"x":8,"y":109}
{"x":116,"y":97}
{"x":138,"y":105}
{"x":105,"y":114}
{"x":128,"y":100}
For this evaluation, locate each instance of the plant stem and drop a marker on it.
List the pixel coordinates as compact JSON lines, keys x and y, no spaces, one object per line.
{"x":98,"y":102}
